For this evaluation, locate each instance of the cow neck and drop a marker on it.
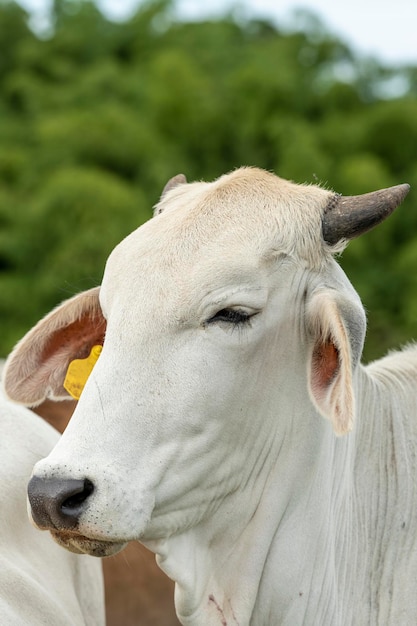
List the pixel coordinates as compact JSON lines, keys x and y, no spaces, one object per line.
{"x":332,"y":519}
{"x":277,"y":554}
{"x":385,"y":490}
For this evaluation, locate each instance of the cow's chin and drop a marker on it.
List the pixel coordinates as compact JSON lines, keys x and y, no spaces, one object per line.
{"x":83,"y":545}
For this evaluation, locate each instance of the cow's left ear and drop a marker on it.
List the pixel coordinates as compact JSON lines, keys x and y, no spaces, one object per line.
{"x":36,"y":368}
{"x":337,"y":328}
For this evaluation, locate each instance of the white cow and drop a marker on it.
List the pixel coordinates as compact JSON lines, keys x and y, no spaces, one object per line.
{"x":229,"y":331}
{"x":40,"y":585}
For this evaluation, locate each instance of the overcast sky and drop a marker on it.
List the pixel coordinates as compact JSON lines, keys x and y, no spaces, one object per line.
{"x":386,"y":29}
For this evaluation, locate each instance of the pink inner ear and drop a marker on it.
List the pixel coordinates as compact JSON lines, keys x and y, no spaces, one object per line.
{"x":330,"y":364}
{"x":325,"y":365}
{"x":75,"y":340}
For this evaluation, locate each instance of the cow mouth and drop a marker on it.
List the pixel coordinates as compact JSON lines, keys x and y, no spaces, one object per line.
{"x":85,"y":545}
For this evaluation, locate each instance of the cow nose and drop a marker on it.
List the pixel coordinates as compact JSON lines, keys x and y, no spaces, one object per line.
{"x":57,"y":503}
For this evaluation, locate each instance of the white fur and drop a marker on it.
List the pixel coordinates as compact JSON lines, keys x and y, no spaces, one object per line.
{"x":204,"y":439}
{"x":40,"y":584}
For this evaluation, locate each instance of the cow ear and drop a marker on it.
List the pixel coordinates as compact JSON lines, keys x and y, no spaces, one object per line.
{"x":36,"y":368}
{"x":337,"y":327}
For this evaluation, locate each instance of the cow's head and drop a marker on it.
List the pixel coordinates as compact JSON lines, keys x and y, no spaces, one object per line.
{"x":226,"y":328}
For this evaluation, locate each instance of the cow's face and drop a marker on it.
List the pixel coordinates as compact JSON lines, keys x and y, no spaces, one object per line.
{"x":173,"y":417}
{"x":221,"y":335}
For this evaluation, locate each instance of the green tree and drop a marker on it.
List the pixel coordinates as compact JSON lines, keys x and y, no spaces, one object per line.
{"x":96,"y":116}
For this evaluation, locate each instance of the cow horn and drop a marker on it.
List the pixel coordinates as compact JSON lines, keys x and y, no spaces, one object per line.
{"x":351,"y":216}
{"x":179,"y":179}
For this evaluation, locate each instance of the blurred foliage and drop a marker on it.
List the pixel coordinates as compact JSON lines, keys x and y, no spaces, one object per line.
{"x":96,"y":116}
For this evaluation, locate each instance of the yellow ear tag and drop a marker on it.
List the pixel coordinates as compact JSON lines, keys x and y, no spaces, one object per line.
{"x":78,"y":372}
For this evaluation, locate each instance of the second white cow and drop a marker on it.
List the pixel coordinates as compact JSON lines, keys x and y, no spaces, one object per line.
{"x":228,"y":331}
{"x":40,"y":585}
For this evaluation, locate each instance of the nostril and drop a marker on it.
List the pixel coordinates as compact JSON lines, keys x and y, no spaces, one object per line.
{"x":58,"y":503}
{"x":77,"y":498}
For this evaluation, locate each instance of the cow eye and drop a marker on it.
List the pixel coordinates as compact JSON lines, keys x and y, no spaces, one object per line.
{"x":232,"y":316}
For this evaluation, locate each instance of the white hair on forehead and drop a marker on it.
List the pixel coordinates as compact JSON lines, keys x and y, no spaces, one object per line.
{"x":255,"y":206}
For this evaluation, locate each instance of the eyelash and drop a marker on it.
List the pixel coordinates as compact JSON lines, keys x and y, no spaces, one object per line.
{"x":231,"y":316}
